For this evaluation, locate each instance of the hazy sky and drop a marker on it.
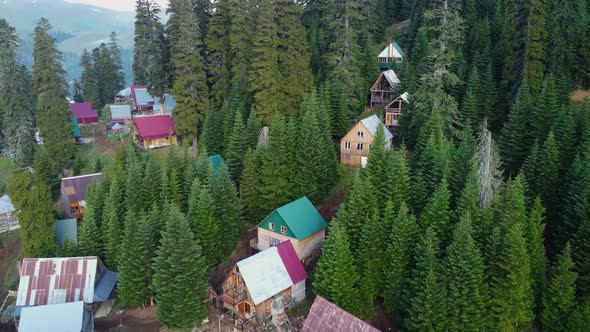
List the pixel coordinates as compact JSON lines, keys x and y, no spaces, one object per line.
{"x":128,"y":5}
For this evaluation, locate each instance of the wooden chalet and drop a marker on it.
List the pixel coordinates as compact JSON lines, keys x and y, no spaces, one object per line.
{"x":325,"y":316}
{"x":73,"y":193}
{"x":154,"y":131}
{"x":391,"y":54}
{"x":355,"y":145}
{"x":384,"y":88}
{"x":253,"y":283}
{"x":393,"y":111}
{"x":298,"y":222}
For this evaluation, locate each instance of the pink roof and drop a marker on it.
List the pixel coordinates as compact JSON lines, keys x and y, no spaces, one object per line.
{"x":155,"y":126}
{"x":84,"y":112}
{"x":57,"y":280}
{"x":291,"y":261}
{"x":133,"y":87}
{"x":325,"y":316}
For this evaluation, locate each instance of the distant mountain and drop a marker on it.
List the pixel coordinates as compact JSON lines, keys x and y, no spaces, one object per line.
{"x":75,"y":27}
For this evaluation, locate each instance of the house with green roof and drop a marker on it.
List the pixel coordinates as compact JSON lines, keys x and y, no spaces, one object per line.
{"x":391,"y":54}
{"x":299,"y":222}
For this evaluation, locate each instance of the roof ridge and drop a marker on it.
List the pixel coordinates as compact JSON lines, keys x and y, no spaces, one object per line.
{"x":80,"y":176}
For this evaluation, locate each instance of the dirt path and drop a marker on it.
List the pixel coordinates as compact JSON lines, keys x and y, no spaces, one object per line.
{"x":136,"y":319}
{"x":329,"y":207}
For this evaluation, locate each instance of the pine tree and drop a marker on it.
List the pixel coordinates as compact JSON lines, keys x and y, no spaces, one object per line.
{"x":36,"y":215}
{"x":427,"y":307}
{"x":152,"y":181}
{"x":205,"y":227}
{"x":461,"y":163}
{"x":226,"y":209}
{"x":514,"y":140}
{"x":512,"y":295}
{"x":467,"y":289}
{"x":370,"y":263}
{"x":146,"y":31}
{"x":536,"y":250}
{"x":377,"y":167}
{"x":180,"y":274}
{"x":398,"y":257}
{"x":89,"y":79}
{"x":212,"y":136}
{"x":235,"y":151}
{"x":51,"y":89}
{"x":218,"y":47}
{"x":188,"y":68}
{"x":252,"y":129}
{"x":559,"y":301}
{"x":134,"y":263}
{"x":436,"y":214}
{"x":89,"y":237}
{"x":536,"y":38}
{"x":469,"y":108}
{"x":336,"y":277}
{"x":398,"y":178}
{"x":248,"y":187}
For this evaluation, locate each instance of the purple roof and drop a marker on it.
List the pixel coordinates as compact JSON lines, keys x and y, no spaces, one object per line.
{"x":325,"y":316}
{"x":83,"y":111}
{"x":74,"y":188}
{"x":291,"y":261}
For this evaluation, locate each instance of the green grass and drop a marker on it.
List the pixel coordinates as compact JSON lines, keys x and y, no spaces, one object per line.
{"x":6,"y":172}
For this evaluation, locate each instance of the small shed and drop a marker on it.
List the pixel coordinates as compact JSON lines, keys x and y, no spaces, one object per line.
{"x":298,"y":222}
{"x":391,"y":54}
{"x":73,"y":193}
{"x":254,"y":282}
{"x":384,"y":88}
{"x":154,"y":131}
{"x":84,"y":113}
{"x":356,"y":144}
{"x":64,"y":317}
{"x":325,"y":316}
{"x":8,"y":219}
{"x":121,"y":113}
{"x":66,"y":229}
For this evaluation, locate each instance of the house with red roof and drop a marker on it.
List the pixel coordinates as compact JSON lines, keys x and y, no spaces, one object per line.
{"x":84,"y":113}
{"x":154,"y":131}
{"x":255,"y":282}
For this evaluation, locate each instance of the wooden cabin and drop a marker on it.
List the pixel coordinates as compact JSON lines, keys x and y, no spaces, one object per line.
{"x":251,"y":286}
{"x":154,"y":131}
{"x":384,"y":88}
{"x":83,"y":112}
{"x":394,"y":110}
{"x":299,"y":222}
{"x":142,"y":100}
{"x":8,"y":219}
{"x":73,"y":193}
{"x":355,"y":145}
{"x":391,"y":54}
{"x":121,"y":114}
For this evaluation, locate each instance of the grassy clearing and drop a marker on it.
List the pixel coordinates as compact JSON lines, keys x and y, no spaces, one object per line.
{"x":6,"y":171}
{"x":580,"y":95}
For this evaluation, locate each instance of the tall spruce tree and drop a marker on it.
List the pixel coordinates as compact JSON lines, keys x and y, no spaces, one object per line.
{"x":188,"y":68}
{"x":249,"y":187}
{"x":51,"y":89}
{"x":559,"y":301}
{"x":180,"y":274}
{"x":205,"y":227}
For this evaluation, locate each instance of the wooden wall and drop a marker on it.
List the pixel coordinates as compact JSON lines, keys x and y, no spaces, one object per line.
{"x":353,"y":156}
{"x":302,"y":248}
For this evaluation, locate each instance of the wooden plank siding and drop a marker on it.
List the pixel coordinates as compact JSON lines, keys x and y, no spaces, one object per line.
{"x":303,"y":248}
{"x":350,"y":154}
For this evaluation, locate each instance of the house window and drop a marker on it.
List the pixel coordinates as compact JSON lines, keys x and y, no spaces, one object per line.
{"x":370,"y":146}
{"x":247,"y":307}
{"x":360,"y":134}
{"x":274,"y":241}
{"x":271,"y":226}
{"x":359,"y":146}
{"x":283,"y":230}
{"x":347,"y":145}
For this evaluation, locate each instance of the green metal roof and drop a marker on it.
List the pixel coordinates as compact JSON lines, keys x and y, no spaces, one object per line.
{"x":216,"y":162}
{"x":301,"y":217}
{"x":76,"y":127}
{"x":66,"y":229}
{"x":399,"y":49}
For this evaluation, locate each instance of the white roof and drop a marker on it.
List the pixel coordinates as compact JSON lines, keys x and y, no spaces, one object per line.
{"x":390,"y":51}
{"x":120,"y":111}
{"x":125,"y":92}
{"x":66,"y":317}
{"x":371,"y":124}
{"x":405,"y":96}
{"x":116,"y":126}
{"x":142,"y":97}
{"x":264,"y":274}
{"x":6,"y":205}
{"x":391,"y":77}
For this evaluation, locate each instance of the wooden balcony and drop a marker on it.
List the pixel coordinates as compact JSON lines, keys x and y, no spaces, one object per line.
{"x":233,"y":297}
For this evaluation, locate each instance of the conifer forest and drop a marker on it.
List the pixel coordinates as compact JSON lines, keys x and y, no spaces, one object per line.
{"x":474,"y":216}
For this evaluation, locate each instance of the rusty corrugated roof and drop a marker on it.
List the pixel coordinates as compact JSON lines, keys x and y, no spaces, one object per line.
{"x":57,"y":280}
{"x":325,"y":316}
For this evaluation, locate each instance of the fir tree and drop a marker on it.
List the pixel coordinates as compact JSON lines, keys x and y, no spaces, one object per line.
{"x":336,"y":277}
{"x":134,"y":263}
{"x":36,"y":215}
{"x":377,"y":166}
{"x":536,"y":37}
{"x":206,"y":228}
{"x":89,"y":237}
{"x":398,"y":178}
{"x":536,"y":250}
{"x":252,"y":129}
{"x":467,"y":289}
{"x":436,"y":214}
{"x":213,"y":132}
{"x":235,"y":151}
{"x":51,"y":89}
{"x":559,"y":300}
{"x":188,"y":67}
{"x":180,"y":274}
{"x":428,"y":307}
{"x":226,"y":209}
{"x":514,"y":140}
{"x":249,"y":185}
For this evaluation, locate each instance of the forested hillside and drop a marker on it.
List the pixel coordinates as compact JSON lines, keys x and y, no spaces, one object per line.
{"x":475,"y":219}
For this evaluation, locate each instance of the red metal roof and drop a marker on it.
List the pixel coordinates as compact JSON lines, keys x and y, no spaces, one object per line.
{"x":325,"y":316}
{"x":291,"y":261}
{"x":84,"y":112}
{"x":58,"y":280}
{"x":155,"y":126}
